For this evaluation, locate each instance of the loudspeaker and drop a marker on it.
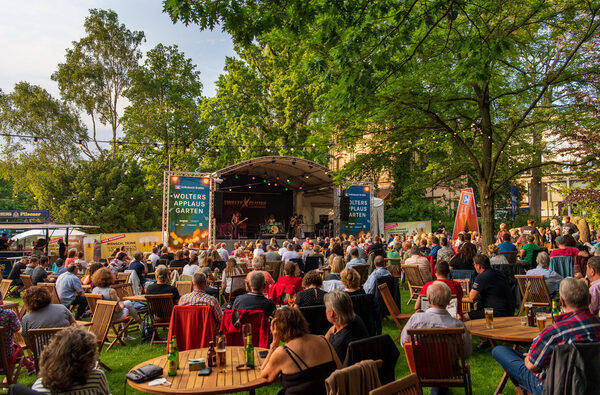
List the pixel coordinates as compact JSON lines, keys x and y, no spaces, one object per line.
{"x":344,"y":208}
{"x":218,"y":205}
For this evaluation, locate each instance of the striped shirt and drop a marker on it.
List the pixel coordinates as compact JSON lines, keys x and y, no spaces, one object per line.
{"x":96,"y":385}
{"x":200,"y":298}
{"x":574,"y":327}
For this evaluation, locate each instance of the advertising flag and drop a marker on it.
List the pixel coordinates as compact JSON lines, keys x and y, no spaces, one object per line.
{"x":466,"y":214}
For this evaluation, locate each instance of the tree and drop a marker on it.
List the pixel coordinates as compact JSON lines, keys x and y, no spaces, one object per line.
{"x":430,"y":77}
{"x":95,"y":72}
{"x":165,"y":95}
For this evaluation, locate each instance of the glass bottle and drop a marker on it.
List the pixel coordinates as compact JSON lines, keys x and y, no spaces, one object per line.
{"x":175,"y":350}
{"x":171,"y":361}
{"x":211,"y":357}
{"x":249,"y":351}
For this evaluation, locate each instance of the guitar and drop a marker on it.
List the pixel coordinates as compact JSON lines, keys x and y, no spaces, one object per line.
{"x":238,"y":223}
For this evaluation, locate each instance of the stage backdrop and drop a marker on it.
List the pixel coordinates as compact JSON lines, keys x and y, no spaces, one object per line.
{"x":404,"y":229}
{"x":188,"y":210}
{"x":359,"y":220}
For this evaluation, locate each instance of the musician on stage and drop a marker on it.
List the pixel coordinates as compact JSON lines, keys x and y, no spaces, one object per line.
{"x":271,"y":219}
{"x":292,"y":227}
{"x":235,"y":222}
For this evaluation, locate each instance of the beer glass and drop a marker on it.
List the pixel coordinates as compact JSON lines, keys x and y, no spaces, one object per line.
{"x":221,"y":354}
{"x":245,"y":329}
{"x":541,"y":321}
{"x":527,"y":305}
{"x":489,"y":317}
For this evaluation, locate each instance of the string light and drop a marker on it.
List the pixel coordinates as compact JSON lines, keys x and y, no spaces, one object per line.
{"x":155,"y":147}
{"x":188,"y":148}
{"x":80,"y":144}
{"x":120,"y":145}
{"x":35,"y":140}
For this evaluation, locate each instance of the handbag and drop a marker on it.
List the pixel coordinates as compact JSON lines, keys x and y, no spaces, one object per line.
{"x":146,"y":329}
{"x":145,"y":373}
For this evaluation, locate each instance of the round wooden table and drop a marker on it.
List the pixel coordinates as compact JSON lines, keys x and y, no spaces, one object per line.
{"x":187,"y":382}
{"x":506,"y":329}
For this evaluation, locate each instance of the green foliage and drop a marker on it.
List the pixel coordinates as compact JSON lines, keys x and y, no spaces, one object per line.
{"x":417,"y":210}
{"x":95,"y":71}
{"x":165,"y":94}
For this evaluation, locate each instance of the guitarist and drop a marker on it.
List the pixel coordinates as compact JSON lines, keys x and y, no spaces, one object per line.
{"x":236,"y":222}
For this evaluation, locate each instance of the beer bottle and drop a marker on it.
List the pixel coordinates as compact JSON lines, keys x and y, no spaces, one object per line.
{"x":171,"y":361}
{"x":249,"y":351}
{"x":211,"y":357}
{"x":175,"y":350}
{"x":530,"y":317}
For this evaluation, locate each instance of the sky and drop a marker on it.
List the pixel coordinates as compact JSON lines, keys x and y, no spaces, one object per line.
{"x":34,"y":35}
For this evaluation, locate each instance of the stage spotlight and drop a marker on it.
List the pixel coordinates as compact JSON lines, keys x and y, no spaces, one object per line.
{"x":275,"y":184}
{"x":254,"y":178}
{"x":264,"y":180}
{"x":286,"y":189}
{"x":306,"y":175}
{"x":277,"y":177}
{"x":300,"y":188}
{"x":206,"y":181}
{"x":288,"y":180}
{"x":236,"y":177}
{"x":249,"y":186}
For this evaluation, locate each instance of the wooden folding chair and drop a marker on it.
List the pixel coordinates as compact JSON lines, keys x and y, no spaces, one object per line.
{"x":12,"y":371}
{"x":160,"y":308}
{"x":244,"y":267}
{"x":6,"y":288}
{"x":414,"y":279}
{"x":533,"y":288}
{"x":238,"y":286}
{"x":51,"y":288}
{"x":123,"y":276}
{"x":27,"y":283}
{"x":439,"y":358}
{"x":363,"y":271}
{"x":275,"y":267}
{"x":115,"y":336}
{"x":183,"y":287}
{"x":395,"y":312}
{"x":36,"y":340}
{"x":101,"y":321}
{"x":92,"y":300}
{"x":408,"y":385}
{"x":466,"y":287}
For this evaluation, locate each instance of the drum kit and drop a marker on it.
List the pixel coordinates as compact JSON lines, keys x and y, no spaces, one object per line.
{"x":272,"y":228}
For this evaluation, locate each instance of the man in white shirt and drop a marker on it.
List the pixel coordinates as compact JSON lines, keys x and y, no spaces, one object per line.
{"x":284,"y":248}
{"x":291,"y":254}
{"x":223,"y":253}
{"x":258,"y":251}
{"x":154,"y":257}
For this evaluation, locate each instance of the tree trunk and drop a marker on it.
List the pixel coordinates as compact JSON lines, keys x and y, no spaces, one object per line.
{"x":487,"y":216}
{"x":535,"y":194}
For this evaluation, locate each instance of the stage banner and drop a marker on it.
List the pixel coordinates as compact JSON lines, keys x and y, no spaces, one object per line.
{"x":466,"y":214}
{"x":133,"y":242}
{"x":405,"y":229}
{"x":188,"y":210}
{"x":359,"y":220}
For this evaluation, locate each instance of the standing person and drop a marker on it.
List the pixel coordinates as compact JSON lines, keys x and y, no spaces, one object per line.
{"x":5,"y":242}
{"x":62,"y":249}
{"x":235,"y":223}
{"x":441,"y":228}
{"x":70,"y":292}
{"x":490,"y":289}
{"x":15,"y":272}
{"x":593,"y":274}
{"x":575,"y":325}
{"x":568,"y":227}
{"x":530,"y":229}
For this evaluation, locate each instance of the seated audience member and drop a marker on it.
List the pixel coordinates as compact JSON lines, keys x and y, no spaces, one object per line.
{"x":33,"y":263}
{"x":576,"y":325}
{"x":439,"y":295}
{"x":423,"y":247}
{"x":41,"y":313}
{"x":178,"y":261}
{"x":396,"y":251}
{"x":291,"y":253}
{"x":223,"y":253}
{"x":490,"y":289}
{"x":445,"y":253}
{"x":154,"y":257}
{"x":40,"y":275}
{"x":271,"y":255}
{"x":354,"y":259}
{"x":551,"y":278}
{"x":258,"y":251}
{"x":103,"y":279}
{"x":506,"y":245}
{"x":199,"y":297}
{"x":307,"y":250}
{"x":68,"y":365}
{"x":166,"y":254}
{"x":435,"y":247}
{"x":70,"y":292}
{"x":139,"y":267}
{"x":162,"y":286}
{"x":15,"y":272}
{"x":442,"y":271}
{"x":259,"y":266}
{"x":495,"y":257}
{"x":255,"y":299}
{"x":89,"y":272}
{"x":527,"y":250}
{"x":421,"y":261}
{"x":289,"y":276}
{"x":347,"y":326}
{"x":304,"y":362}
{"x":60,"y":269}
{"x":351,"y":280}
{"x":337,"y":265}
{"x":81,"y":263}
{"x":566,"y":246}
{"x":312,"y":295}
{"x":463,"y":260}
{"x":206,"y":267}
{"x":11,"y":324}
{"x":231,"y":269}
{"x":380,"y":271}
{"x":190,"y":268}
{"x":593,"y":274}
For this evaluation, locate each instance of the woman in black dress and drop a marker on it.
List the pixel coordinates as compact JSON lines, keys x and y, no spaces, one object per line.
{"x":312,"y":294}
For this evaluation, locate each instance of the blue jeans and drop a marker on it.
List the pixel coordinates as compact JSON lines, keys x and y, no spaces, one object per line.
{"x":514,"y":364}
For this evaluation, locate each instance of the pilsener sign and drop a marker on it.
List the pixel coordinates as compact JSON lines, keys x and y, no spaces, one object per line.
{"x":20,"y":214}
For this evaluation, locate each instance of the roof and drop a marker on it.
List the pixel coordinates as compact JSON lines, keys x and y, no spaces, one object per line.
{"x":303,"y":174}
{"x":42,"y":225}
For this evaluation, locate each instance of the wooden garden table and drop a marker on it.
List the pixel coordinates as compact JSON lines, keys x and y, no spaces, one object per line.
{"x":187,"y":382}
{"x":506,"y":329}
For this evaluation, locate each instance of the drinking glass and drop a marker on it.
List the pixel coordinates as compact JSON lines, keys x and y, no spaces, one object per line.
{"x":221,"y":353}
{"x":489,"y":317}
{"x":541,"y":321}
{"x":245,"y":329}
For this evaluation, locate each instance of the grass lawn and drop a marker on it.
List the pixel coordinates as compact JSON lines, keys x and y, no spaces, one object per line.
{"x":485,"y":371}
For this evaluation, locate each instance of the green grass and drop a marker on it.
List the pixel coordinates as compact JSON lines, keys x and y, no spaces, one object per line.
{"x":485,"y":371}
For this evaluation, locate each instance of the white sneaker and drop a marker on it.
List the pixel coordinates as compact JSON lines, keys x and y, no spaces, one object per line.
{"x":128,"y":338}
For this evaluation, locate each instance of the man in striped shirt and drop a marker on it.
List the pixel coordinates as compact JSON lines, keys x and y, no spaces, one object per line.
{"x":575,"y":325}
{"x":198,"y":297}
